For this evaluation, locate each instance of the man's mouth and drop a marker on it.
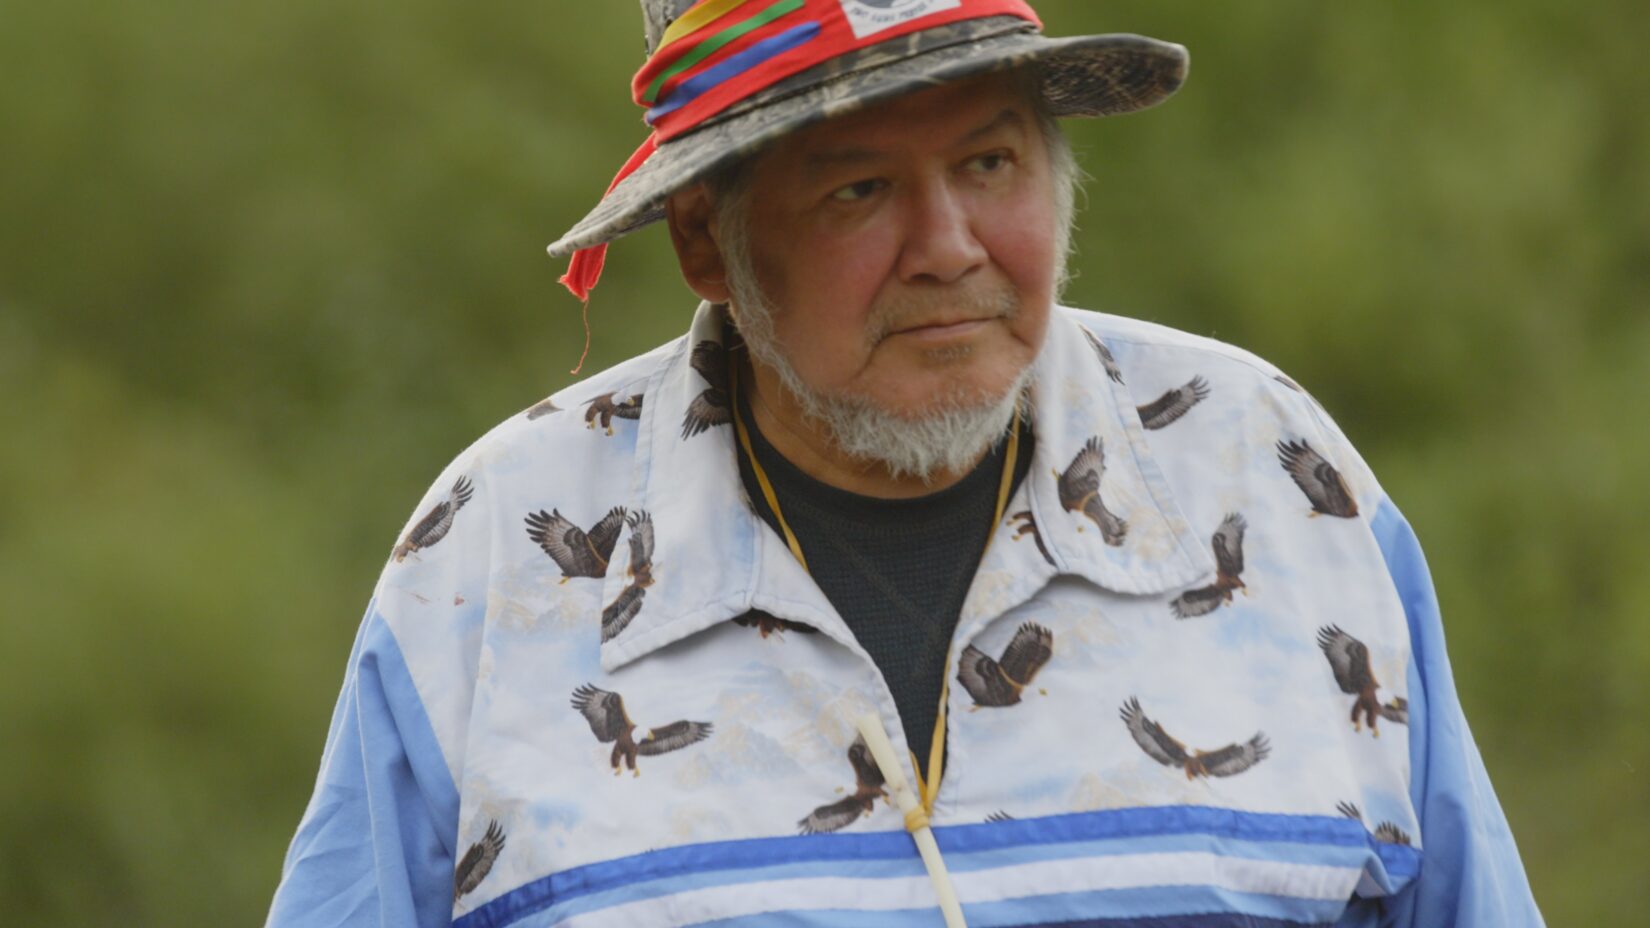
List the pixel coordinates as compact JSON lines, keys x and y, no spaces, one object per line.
{"x":942,"y":329}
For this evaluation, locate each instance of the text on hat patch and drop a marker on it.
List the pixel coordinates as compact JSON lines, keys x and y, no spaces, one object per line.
{"x":869,"y":17}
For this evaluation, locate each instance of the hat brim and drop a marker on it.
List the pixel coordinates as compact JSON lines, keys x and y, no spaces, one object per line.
{"x":1095,"y":75}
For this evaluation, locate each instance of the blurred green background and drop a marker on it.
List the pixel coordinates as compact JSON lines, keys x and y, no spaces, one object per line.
{"x":266,"y":267}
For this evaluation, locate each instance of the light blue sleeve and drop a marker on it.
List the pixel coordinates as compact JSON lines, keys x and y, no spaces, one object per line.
{"x":375,"y":846}
{"x":1471,"y":876}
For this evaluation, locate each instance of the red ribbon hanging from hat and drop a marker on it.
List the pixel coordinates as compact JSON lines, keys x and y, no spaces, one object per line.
{"x":586,"y":267}
{"x":731,"y":49}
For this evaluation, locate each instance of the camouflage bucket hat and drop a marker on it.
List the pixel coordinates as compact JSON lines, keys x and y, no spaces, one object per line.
{"x":1094,"y":75}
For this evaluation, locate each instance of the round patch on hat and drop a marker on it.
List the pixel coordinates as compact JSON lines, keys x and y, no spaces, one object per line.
{"x":869,"y":17}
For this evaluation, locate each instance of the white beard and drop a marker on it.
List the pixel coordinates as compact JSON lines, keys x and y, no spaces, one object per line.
{"x":949,"y":434}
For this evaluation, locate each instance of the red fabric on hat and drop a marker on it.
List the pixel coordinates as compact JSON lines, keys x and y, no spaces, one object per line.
{"x":836,"y":37}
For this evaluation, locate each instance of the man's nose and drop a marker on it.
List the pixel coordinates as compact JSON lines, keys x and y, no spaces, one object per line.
{"x":940,"y":245}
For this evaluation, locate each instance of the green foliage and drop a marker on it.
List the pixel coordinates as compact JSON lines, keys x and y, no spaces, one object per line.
{"x":267,"y":267}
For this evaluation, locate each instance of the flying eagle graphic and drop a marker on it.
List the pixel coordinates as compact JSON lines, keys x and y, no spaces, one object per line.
{"x":542,"y":409}
{"x":478,"y":861}
{"x":1397,"y":710}
{"x":607,"y":408}
{"x":1174,"y":404}
{"x":771,"y":624}
{"x":1349,"y":659}
{"x":1028,"y":526}
{"x":437,"y":522}
{"x":577,"y":554}
{"x":1000,"y":683}
{"x":1107,"y":361}
{"x":1318,"y":479}
{"x":616,"y":617}
{"x":1228,"y":545}
{"x":1391,"y":834}
{"x":710,"y":408}
{"x":1161,"y":747}
{"x":1079,"y":491}
{"x":610,"y":724}
{"x":868,"y":785}
{"x":1386,"y":831}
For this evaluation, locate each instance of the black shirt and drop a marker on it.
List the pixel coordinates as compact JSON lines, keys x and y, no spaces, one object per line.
{"x":896,"y":570}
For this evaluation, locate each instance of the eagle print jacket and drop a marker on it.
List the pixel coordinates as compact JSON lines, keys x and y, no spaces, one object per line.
{"x":1199,"y":680}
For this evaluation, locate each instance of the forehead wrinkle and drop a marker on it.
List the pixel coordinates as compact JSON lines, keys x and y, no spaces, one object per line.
{"x":824,"y":160}
{"x":1010,"y":118}
{"x":860,"y":138}
{"x":818,"y":162}
{"x":848,"y":156}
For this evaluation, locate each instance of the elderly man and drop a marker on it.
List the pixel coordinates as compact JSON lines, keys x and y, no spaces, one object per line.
{"x":895,"y":593}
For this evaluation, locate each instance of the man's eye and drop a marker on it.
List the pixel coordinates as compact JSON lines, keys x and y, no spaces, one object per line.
{"x":856,"y":191}
{"x":989,"y":163}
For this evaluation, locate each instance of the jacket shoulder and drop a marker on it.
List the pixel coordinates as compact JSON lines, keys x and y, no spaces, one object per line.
{"x":1152,"y":357}
{"x":555,"y":454}
{"x":1124,"y":329}
{"x":543,"y":443}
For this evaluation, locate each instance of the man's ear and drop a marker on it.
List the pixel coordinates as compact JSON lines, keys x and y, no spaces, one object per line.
{"x":689,"y":215}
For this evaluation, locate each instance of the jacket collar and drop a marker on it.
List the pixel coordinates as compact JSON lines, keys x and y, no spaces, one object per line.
{"x":714,"y":559}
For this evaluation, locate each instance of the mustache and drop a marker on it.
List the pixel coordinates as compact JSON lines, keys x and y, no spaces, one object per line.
{"x":994,"y":300}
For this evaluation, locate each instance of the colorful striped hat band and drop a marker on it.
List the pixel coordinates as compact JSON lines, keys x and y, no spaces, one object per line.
{"x":719,"y":52}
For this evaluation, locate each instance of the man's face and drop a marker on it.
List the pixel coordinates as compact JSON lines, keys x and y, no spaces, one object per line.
{"x":908,"y":252}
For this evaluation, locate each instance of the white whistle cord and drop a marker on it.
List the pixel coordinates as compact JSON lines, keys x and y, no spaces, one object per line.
{"x":916,"y":820}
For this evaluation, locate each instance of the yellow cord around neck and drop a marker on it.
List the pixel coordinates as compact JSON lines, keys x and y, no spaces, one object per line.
{"x":928,"y":787}
{"x":756,"y":467}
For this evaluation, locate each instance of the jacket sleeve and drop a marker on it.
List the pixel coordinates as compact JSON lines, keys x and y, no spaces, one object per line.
{"x":375,"y":846}
{"x":1471,"y":875}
